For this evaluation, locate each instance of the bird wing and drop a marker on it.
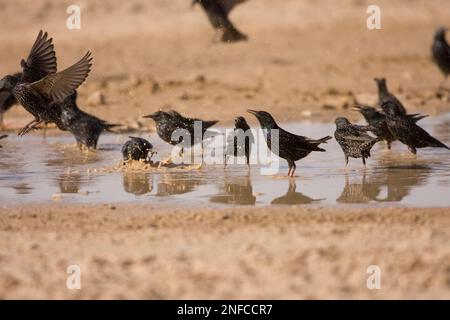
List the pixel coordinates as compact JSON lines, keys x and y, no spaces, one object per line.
{"x":228,"y":5}
{"x":57,"y":86}
{"x":41,"y":60}
{"x":355,"y":133}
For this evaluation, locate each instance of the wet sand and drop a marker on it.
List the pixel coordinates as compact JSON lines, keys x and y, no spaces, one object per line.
{"x":306,"y":60}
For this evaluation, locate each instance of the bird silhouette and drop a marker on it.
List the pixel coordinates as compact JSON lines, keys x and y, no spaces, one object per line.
{"x":239,"y":142}
{"x":441,"y":51}
{"x":284,"y":144}
{"x":406,"y":130}
{"x":217,"y":12}
{"x":353,"y":139}
{"x":41,"y":87}
{"x":85,"y":127}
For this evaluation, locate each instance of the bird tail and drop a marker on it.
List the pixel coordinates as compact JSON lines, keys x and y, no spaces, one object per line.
{"x":324,"y":139}
{"x":417,"y":116}
{"x":109,"y":126}
{"x":232,"y":34}
{"x":3,"y":136}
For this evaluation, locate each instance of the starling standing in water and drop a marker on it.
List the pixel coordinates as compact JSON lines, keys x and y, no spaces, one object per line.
{"x":441,"y":51}
{"x":217,"y":12}
{"x":136,"y":149}
{"x":239,"y":142}
{"x":168,"y":122}
{"x":3,"y":137}
{"x":377,"y":122}
{"x":41,"y":88}
{"x":7,"y":100}
{"x":354,"y":140}
{"x":290,"y":147}
{"x":406,"y":130}
{"x":85,"y":127}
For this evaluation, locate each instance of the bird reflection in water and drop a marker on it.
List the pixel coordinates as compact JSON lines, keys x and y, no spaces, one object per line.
{"x":69,"y":183}
{"x":359,"y":191}
{"x":292,"y":197}
{"x":137,"y":183}
{"x":177,"y":183}
{"x":236,"y":191}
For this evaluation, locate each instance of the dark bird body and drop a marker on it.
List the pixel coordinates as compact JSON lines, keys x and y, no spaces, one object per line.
{"x":136,"y":149}
{"x":354,"y":140}
{"x":41,"y":87}
{"x":7,"y":100}
{"x":407,"y":131}
{"x":385,"y":95}
{"x":290,"y":147}
{"x":239,"y":142}
{"x":441,"y":51}
{"x":172,"y":123}
{"x":376,"y":121}
{"x":85,"y":127}
{"x":3,"y":137}
{"x":217,"y":12}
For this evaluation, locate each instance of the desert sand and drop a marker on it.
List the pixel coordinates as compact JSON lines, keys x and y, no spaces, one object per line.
{"x":304,"y":60}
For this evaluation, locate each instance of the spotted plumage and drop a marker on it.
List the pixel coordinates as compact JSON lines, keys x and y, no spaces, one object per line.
{"x":239,"y":142}
{"x":85,"y":127}
{"x":137,"y":149}
{"x":354,"y":140}
{"x":289,"y":146}
{"x":41,"y":88}
{"x":173,"y":124}
{"x":406,"y":130}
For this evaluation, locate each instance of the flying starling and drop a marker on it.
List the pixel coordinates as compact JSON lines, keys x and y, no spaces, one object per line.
{"x":217,"y":12}
{"x":7,"y":100}
{"x":3,"y":137}
{"x":441,"y":51}
{"x":137,"y":149}
{"x":376,"y":121}
{"x":41,"y":88}
{"x":239,"y":142}
{"x":353,"y":139}
{"x":85,"y":127}
{"x":406,"y":130}
{"x":289,"y":146}
{"x":167,"y":123}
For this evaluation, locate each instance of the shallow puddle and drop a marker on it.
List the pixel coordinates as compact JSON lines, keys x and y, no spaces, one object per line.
{"x":36,"y":169}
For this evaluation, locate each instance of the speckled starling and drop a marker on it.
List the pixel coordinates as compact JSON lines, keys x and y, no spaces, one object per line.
{"x":217,"y":12}
{"x":353,"y":139}
{"x":406,"y":130}
{"x":168,"y":122}
{"x":85,"y":127}
{"x":376,"y":121}
{"x":137,"y":149}
{"x":290,"y":147}
{"x":239,"y":142}
{"x":41,"y":87}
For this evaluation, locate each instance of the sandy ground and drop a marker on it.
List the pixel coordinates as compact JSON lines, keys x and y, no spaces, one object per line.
{"x":305,"y":59}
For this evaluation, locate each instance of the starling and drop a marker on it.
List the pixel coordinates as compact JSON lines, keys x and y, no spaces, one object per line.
{"x":239,"y":142}
{"x":353,"y":139}
{"x":2,"y":137}
{"x":290,"y":147}
{"x":137,"y":149}
{"x":376,"y":121}
{"x":41,"y":88}
{"x":217,"y":12}
{"x":385,"y":95}
{"x":441,"y":51}
{"x":7,"y":100}
{"x":406,"y":130}
{"x":168,"y":122}
{"x":85,"y":127}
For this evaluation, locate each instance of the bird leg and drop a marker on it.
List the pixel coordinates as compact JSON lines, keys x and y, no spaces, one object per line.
{"x":364,"y":161}
{"x":293,"y":169}
{"x":346,"y":161}
{"x":30,"y":126}
{"x":389,"y":145}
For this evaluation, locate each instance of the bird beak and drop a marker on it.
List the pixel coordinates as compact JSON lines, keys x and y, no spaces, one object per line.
{"x":357,"y":108}
{"x":149,"y":116}
{"x":252,"y":112}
